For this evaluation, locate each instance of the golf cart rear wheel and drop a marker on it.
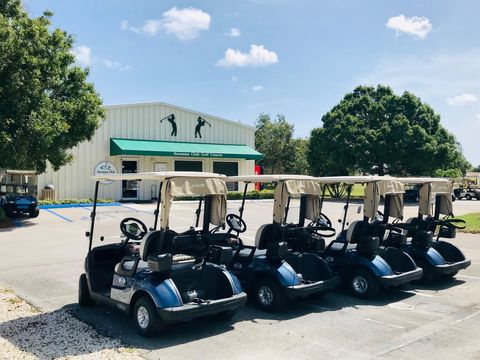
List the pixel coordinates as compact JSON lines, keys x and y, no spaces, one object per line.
{"x":225,"y":315}
{"x":33,"y":213}
{"x":146,"y":317}
{"x":428,"y":273}
{"x":84,"y":298}
{"x":268,"y":295}
{"x":363,"y":284}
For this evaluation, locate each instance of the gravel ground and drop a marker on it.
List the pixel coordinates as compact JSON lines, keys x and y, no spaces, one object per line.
{"x":28,"y":333}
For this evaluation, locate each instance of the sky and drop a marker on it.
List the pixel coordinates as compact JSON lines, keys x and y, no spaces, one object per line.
{"x":239,"y":58}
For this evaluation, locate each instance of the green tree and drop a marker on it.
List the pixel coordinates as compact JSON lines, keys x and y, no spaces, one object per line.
{"x":46,"y":104}
{"x":373,"y":130}
{"x":274,"y":140}
{"x":300,"y":162}
{"x":448,"y":173}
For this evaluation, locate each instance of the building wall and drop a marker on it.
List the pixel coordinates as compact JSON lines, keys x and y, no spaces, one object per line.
{"x":142,"y":121}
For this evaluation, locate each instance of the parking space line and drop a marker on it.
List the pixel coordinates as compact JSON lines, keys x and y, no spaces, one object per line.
{"x":57,"y":214}
{"x":142,"y":211}
{"x":99,"y":213}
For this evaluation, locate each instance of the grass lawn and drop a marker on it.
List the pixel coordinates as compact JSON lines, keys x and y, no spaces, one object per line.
{"x":473,"y":222}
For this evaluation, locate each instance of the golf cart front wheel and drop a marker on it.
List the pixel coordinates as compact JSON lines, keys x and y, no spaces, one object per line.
{"x":146,"y":318}
{"x":364,"y":284}
{"x":33,"y":213}
{"x":84,"y":298}
{"x":468,"y":197}
{"x":268,"y":295}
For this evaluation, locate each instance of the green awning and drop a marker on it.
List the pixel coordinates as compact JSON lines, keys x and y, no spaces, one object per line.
{"x":181,"y":149}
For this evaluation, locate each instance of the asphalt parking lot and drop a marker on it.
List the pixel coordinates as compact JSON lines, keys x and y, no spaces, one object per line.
{"x":42,"y":259}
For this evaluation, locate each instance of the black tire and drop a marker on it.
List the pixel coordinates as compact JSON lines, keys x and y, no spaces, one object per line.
{"x":363,"y":283}
{"x":468,"y":197}
{"x":225,"y":315}
{"x":84,"y":298}
{"x":268,"y":295}
{"x":33,"y":213}
{"x":428,"y":273}
{"x":146,"y":318}
{"x":451,"y":275}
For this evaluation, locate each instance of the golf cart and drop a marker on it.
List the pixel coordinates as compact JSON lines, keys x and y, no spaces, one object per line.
{"x":436,"y":258}
{"x":161,"y":276}
{"x":356,"y":254}
{"x":18,"y":192}
{"x":276,"y":269}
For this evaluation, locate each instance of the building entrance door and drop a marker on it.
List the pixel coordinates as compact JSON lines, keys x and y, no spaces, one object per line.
{"x":129,"y":187}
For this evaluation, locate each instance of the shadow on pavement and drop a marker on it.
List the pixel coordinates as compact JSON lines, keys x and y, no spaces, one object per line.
{"x":112,"y":323}
{"x":54,"y":335}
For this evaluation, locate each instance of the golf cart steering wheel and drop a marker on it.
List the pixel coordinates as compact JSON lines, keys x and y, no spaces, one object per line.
{"x":133,"y":228}
{"x":319,"y":230}
{"x":236,"y":223}
{"x":453,"y":223}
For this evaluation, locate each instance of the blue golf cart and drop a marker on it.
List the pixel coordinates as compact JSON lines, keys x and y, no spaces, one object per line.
{"x":18,"y":193}
{"x":436,"y":257}
{"x":364,"y":265}
{"x":160,"y":276}
{"x":272,"y":271}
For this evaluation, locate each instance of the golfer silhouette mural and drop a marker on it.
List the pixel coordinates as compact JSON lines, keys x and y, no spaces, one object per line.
{"x":171,"y":119}
{"x":200,"y":122}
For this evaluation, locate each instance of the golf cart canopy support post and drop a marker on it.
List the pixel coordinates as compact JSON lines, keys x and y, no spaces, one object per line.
{"x":157,"y":209}
{"x":92,"y":216}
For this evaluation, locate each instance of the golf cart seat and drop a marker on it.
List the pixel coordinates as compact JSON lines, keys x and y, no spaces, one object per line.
{"x":422,"y":239}
{"x":267,"y":239}
{"x":368,"y":245}
{"x":155,"y":251}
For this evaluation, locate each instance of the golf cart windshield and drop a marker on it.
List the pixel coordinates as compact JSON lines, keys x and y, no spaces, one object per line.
{"x":18,"y":182}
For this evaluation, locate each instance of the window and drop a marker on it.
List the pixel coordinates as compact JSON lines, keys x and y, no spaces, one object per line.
{"x":181,"y":165}
{"x":229,"y":169}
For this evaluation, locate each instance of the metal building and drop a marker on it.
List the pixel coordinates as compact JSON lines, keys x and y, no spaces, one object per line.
{"x":153,"y":137}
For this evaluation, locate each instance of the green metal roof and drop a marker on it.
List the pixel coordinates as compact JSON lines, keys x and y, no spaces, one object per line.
{"x":181,"y":149}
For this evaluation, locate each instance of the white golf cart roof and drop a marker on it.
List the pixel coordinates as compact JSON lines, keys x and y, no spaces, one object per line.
{"x":267,"y":178}
{"x":376,"y":186}
{"x":20,"y":172}
{"x":159,"y":176}
{"x":286,"y":186}
{"x":431,"y":187}
{"x":350,"y":180}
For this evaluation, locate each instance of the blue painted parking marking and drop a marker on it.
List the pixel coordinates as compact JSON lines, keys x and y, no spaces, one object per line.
{"x":57,"y":214}
{"x":142,"y":211}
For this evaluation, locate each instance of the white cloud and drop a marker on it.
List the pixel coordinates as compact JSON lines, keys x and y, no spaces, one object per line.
{"x":151,"y":27}
{"x":234,"y":79}
{"x":116,"y":65}
{"x":185,"y":24}
{"x":417,"y":26}
{"x":124,"y":25}
{"x":462,"y":99}
{"x":233,"y":32}
{"x":257,"y":56}
{"x":257,"y":88}
{"x":83,"y":55}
